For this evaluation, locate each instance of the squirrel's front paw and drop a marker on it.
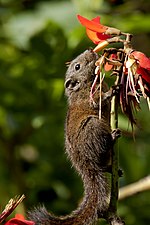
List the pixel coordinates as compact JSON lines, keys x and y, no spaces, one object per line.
{"x":116,"y":133}
{"x":115,"y":89}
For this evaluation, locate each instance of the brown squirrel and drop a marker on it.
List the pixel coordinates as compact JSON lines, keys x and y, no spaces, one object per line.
{"x":88,"y":144}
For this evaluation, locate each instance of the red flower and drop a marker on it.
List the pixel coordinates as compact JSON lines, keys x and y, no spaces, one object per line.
{"x":143,"y":62}
{"x":19,"y":220}
{"x":135,"y":81}
{"x":94,"y":29}
{"x":142,"y":59}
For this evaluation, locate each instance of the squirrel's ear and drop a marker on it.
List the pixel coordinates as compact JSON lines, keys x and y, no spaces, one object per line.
{"x":68,"y":63}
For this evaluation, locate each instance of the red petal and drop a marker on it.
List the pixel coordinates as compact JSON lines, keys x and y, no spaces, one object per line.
{"x":143,"y":60}
{"x":144,"y":73}
{"x":96,"y":19}
{"x":93,"y":36}
{"x":19,"y":216}
{"x":103,"y":36}
{"x":92,"y":24}
{"x":15,"y":221}
{"x":19,"y":220}
{"x":108,"y":66}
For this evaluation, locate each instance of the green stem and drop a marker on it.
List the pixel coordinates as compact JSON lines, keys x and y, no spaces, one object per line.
{"x":113,"y":218}
{"x":115,"y":159}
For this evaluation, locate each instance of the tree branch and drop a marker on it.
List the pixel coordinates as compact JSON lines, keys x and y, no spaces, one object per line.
{"x":132,"y":189}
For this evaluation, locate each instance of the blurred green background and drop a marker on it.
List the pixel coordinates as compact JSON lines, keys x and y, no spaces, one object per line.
{"x":37,"y":38}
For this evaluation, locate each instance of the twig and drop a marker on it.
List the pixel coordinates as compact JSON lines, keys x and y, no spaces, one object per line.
{"x":132,"y":189}
{"x":9,"y":208}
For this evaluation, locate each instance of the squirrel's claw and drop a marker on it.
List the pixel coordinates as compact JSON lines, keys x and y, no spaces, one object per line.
{"x":116,"y":133}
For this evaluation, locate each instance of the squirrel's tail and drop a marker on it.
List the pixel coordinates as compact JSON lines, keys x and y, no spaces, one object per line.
{"x":40,"y":216}
{"x":85,"y":214}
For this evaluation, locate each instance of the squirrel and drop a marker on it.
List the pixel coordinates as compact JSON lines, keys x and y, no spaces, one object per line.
{"x":88,"y":142}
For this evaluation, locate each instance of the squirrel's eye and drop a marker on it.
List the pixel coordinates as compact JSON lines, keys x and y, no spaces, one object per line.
{"x":77,"y":66}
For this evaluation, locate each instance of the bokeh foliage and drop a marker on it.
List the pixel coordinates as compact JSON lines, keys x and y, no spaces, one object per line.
{"x":37,"y":38}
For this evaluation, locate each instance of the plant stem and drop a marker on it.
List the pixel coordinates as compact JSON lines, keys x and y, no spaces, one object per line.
{"x":112,"y":212}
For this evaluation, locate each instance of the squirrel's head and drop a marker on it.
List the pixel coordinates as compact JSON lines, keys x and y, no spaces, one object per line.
{"x":80,"y":72}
